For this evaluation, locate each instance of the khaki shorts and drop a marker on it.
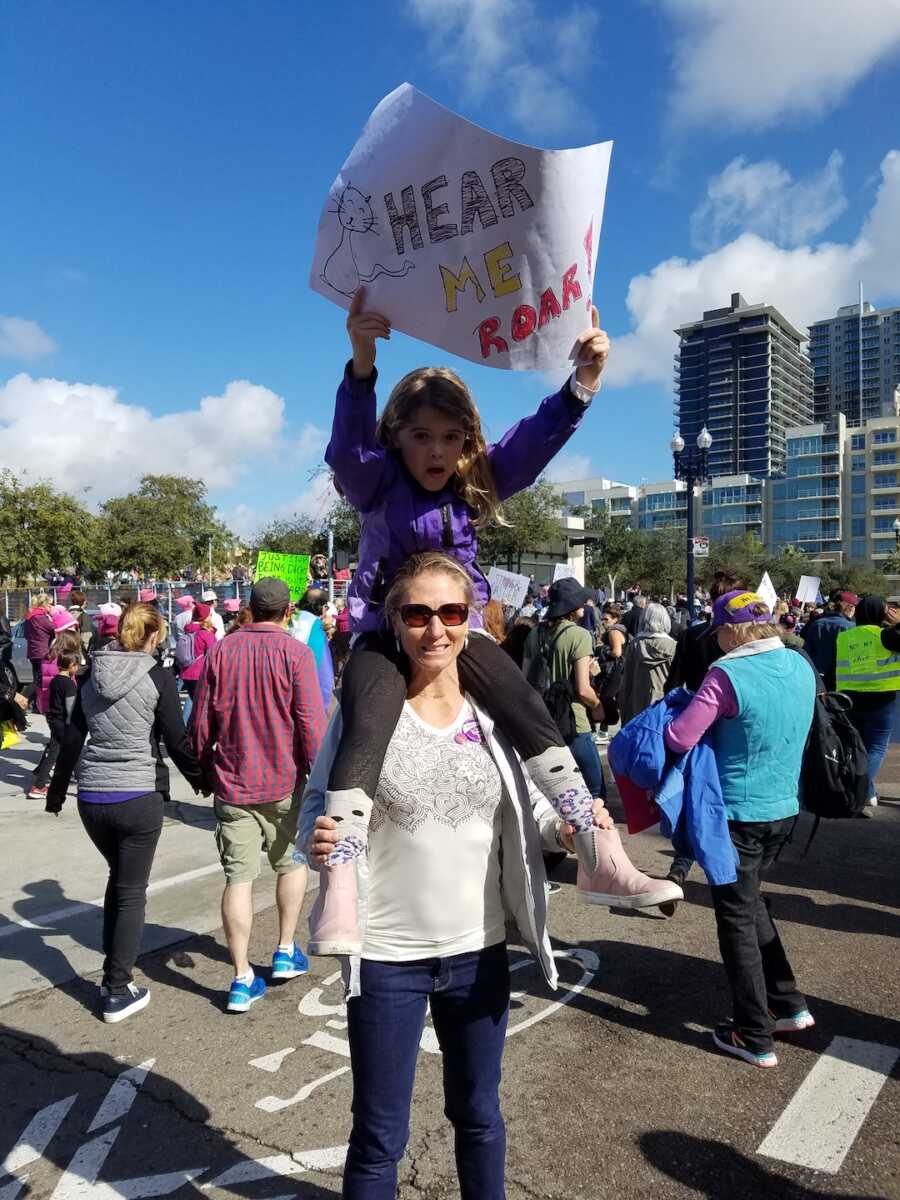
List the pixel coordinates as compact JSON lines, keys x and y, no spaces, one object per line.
{"x":243,"y":830}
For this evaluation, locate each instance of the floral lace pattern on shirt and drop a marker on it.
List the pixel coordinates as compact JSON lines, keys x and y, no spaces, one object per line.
{"x":432,"y":776}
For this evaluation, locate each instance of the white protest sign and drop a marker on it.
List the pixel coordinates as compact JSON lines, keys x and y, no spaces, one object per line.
{"x":507,"y":588}
{"x":563,"y":571}
{"x":481,"y":246}
{"x":766,"y":591}
{"x":808,"y":589}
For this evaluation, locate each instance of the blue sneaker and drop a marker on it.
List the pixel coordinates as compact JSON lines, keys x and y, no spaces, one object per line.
{"x":242,"y":995}
{"x":289,"y":966}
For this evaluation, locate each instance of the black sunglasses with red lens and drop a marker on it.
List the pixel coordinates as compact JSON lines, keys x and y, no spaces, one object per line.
{"x":417,"y":616}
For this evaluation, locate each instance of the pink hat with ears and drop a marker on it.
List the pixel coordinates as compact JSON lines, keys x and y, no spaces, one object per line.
{"x":63,"y":620}
{"x":232,"y":606}
{"x":185,"y":601}
{"x":146,"y":596}
{"x":108,"y":624}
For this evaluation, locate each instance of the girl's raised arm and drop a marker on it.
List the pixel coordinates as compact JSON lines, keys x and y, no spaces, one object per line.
{"x":353,"y":452}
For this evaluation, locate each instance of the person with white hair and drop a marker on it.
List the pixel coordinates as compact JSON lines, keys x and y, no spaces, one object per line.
{"x":647,"y":660}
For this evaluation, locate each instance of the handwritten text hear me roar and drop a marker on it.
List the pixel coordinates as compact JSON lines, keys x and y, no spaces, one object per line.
{"x":509,"y":191}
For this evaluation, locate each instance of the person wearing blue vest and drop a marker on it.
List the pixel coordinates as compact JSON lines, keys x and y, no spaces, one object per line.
{"x":756,"y":703}
{"x":868,"y":670}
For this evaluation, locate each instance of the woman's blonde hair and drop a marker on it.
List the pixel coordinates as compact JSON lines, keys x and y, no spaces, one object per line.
{"x":430,"y":561}
{"x":752,"y":631}
{"x":137,"y":624}
{"x":443,"y":390}
{"x":41,"y":600}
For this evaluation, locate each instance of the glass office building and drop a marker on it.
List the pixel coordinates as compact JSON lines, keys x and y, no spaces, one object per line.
{"x":806,"y":503}
{"x":741,"y":372}
{"x":662,"y":506}
{"x":834,"y":352}
{"x":732,"y":506}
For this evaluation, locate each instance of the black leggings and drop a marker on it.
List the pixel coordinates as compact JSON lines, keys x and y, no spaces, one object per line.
{"x":126,"y":835}
{"x":374,"y":689}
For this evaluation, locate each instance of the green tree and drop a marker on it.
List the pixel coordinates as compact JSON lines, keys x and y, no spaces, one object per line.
{"x":609,"y":552}
{"x":746,"y":557}
{"x":41,"y":528}
{"x":533,"y":520}
{"x":290,"y":535}
{"x":163,"y":527}
{"x":344,"y":520}
{"x":658,"y":560}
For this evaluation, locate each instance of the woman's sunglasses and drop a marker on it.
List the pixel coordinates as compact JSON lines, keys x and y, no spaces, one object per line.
{"x":417,"y":616}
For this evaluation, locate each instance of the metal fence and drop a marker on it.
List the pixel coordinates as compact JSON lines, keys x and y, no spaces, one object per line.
{"x":15,"y":603}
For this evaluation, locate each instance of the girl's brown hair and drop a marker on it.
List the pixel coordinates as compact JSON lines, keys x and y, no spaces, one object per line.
{"x":67,"y":642}
{"x":243,"y":616}
{"x":492,"y":615}
{"x":138,"y":623}
{"x":443,"y":390}
{"x":424,"y":564}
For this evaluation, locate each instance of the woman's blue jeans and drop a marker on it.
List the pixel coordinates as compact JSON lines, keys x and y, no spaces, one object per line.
{"x":469,"y":999}
{"x":587,"y":756}
{"x":875,"y":726}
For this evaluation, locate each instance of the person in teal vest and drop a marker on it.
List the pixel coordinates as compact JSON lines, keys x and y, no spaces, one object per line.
{"x":756,"y":705}
{"x":868,"y":670}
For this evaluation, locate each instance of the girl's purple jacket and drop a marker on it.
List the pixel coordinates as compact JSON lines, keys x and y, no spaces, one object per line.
{"x":399,"y":518}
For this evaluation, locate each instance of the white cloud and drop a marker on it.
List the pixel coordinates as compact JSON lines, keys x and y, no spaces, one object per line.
{"x":753,"y":64}
{"x":569,"y":466}
{"x":314,"y":501}
{"x":514,"y":49}
{"x":83,"y":435}
{"x":763,"y":198}
{"x":806,"y":283}
{"x":24,"y":339}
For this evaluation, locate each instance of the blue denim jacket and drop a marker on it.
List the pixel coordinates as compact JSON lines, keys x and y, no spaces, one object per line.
{"x":686,"y":786}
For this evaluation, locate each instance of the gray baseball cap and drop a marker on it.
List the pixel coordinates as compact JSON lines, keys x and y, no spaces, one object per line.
{"x":270,"y":594}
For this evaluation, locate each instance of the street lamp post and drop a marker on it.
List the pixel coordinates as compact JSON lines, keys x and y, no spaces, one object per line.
{"x":897,"y":533}
{"x":691,"y":466}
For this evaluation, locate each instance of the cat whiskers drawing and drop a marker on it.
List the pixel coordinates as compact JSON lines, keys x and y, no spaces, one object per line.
{"x":356,"y":217}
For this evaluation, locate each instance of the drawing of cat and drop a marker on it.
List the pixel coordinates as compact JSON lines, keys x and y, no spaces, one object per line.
{"x":341,"y":271}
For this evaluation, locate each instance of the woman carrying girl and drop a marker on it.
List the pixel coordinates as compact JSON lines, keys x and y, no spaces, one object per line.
{"x":423,"y":478}
{"x":452,"y":805}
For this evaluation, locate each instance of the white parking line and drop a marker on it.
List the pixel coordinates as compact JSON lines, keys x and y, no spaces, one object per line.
{"x":19,"y":924}
{"x":36,"y":1136}
{"x":827,"y":1111}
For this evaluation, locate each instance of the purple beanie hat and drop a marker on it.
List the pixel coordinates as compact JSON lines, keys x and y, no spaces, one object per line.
{"x":740,"y":608}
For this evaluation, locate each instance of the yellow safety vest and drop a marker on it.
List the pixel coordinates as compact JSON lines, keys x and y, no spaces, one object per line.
{"x":863,"y":664}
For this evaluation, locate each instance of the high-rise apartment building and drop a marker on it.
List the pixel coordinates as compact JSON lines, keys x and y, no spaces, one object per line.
{"x":742,"y":373}
{"x":834,"y":351}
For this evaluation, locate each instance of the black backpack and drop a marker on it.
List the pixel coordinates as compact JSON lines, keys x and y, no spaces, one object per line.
{"x":557,"y":697}
{"x":834,"y":777}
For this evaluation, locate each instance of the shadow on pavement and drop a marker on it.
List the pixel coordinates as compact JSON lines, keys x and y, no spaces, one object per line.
{"x":164,"y":1131}
{"x":804,"y":910}
{"x":714,"y":1170}
{"x":36,"y":950}
{"x":169,"y":968}
{"x":17,"y":765}
{"x":678,"y":990}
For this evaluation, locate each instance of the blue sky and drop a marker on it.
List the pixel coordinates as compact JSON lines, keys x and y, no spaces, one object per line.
{"x":164,"y":168}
